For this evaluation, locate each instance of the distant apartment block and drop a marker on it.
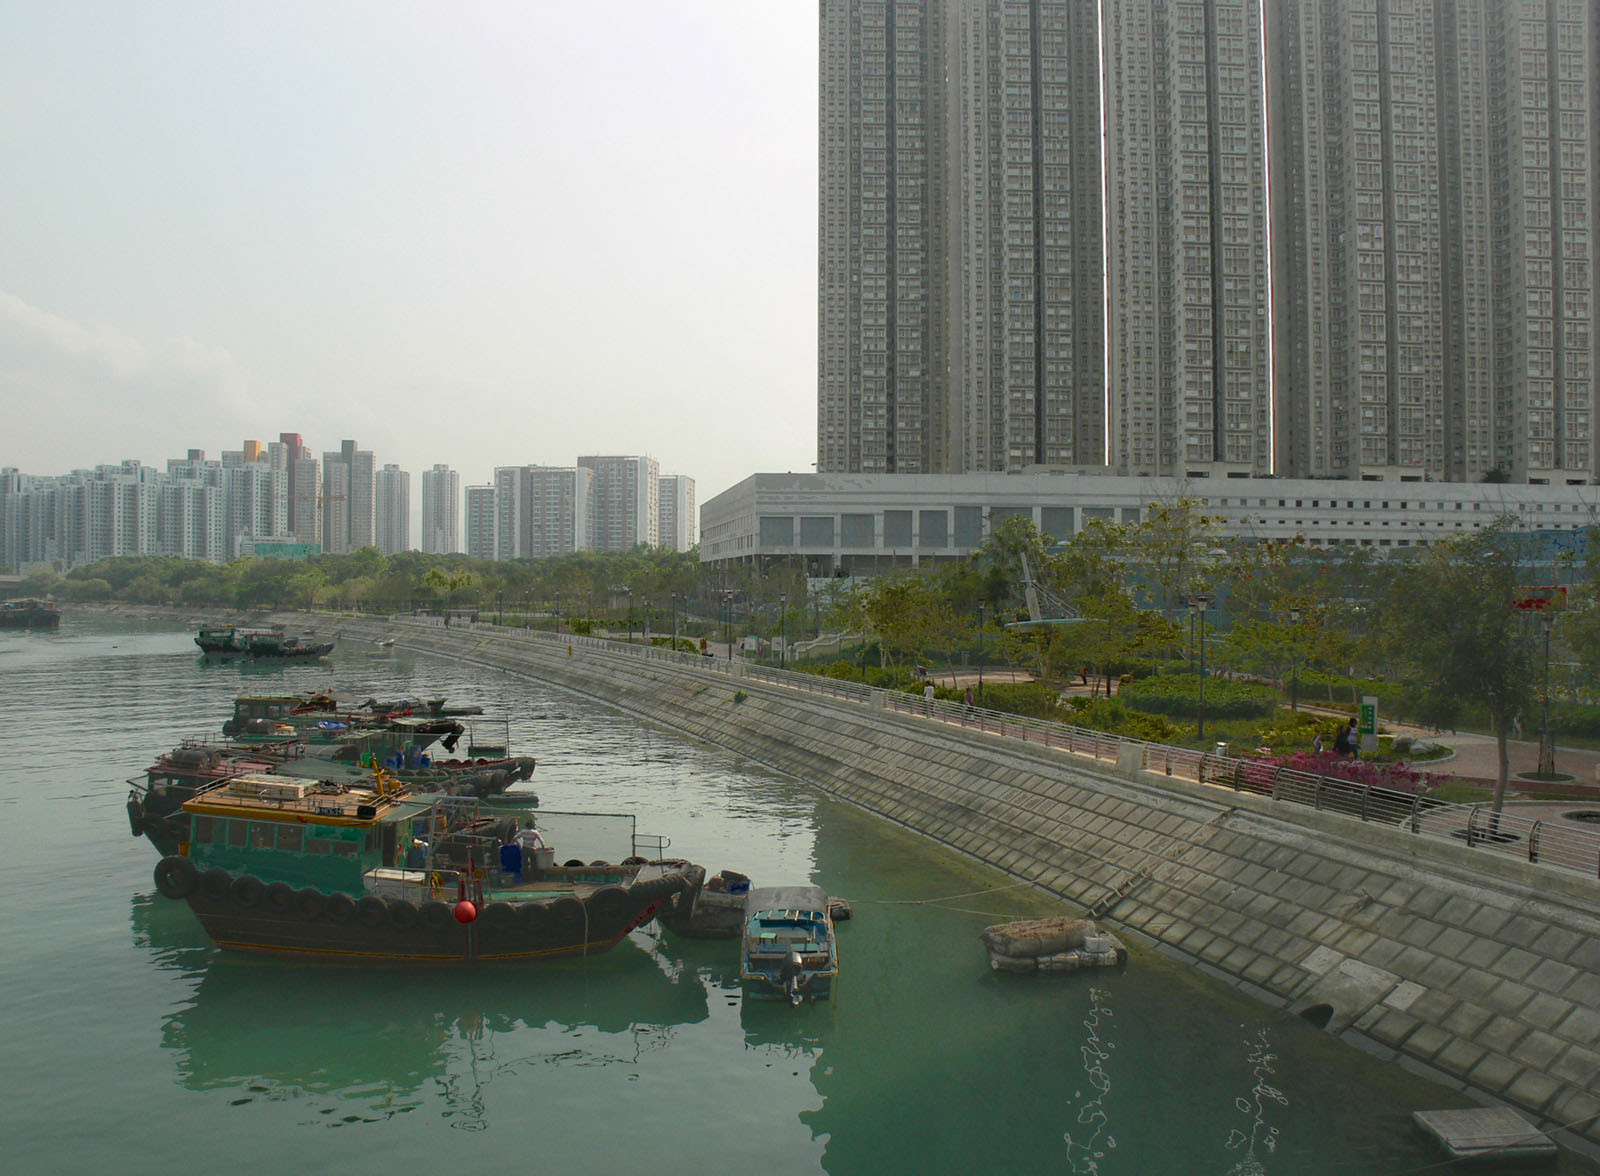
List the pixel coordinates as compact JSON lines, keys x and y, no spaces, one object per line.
{"x":676,"y":528}
{"x":1434,"y":198}
{"x":625,"y":506}
{"x":392,"y":510}
{"x":480,"y":522}
{"x":960,"y":296}
{"x":441,"y":510}
{"x":303,"y":482}
{"x":349,"y":490}
{"x":541,"y":511}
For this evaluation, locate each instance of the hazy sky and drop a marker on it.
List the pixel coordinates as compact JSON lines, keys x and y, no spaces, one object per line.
{"x":477,"y":233}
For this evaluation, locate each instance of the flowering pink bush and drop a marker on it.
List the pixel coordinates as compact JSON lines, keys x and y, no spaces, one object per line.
{"x":1396,"y":777}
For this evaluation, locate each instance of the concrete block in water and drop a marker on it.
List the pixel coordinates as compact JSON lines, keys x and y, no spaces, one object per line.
{"x":1483,"y":1133}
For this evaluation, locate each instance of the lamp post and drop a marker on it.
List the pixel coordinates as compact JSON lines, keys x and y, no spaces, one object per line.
{"x":527,"y":610}
{"x":1294,"y":660}
{"x":783,"y":629}
{"x":983,"y":623}
{"x":629,"y":591}
{"x":1200,"y":603}
{"x":674,"y":622}
{"x":727,"y":623}
{"x":558,"y":610}
{"x":1547,"y":743}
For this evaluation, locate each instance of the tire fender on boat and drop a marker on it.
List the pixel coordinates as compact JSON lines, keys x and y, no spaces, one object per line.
{"x":608,"y":909}
{"x":246,"y":890}
{"x":339,"y":908}
{"x":216,"y":882}
{"x":497,"y":916}
{"x":308,"y":905}
{"x":534,"y":918}
{"x":568,"y":915}
{"x":402,"y":914}
{"x":175,"y":877}
{"x":372,"y":911}
{"x":436,"y":915}
{"x":278,"y":898}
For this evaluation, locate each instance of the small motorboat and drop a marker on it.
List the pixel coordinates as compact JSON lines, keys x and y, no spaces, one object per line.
{"x":789,"y":948}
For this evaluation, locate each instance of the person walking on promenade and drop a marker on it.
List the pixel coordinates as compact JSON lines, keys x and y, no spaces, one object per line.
{"x":1348,"y":741}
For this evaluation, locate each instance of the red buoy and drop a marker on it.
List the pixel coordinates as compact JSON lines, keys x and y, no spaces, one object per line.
{"x":465,"y":912}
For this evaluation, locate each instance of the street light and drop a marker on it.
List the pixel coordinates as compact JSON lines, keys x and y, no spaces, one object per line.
{"x":629,"y":591}
{"x":1294,"y":660}
{"x":1199,"y":603}
{"x":1547,"y":742}
{"x":674,"y":622}
{"x":558,"y":610}
{"x":983,"y":623}
{"x":727,"y":623}
{"x":783,"y":629}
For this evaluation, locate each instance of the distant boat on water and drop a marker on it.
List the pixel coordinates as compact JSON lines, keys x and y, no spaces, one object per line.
{"x":270,"y":643}
{"x":29,"y":614}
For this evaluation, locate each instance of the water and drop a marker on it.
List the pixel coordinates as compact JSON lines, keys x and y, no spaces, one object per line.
{"x":132,"y":1046}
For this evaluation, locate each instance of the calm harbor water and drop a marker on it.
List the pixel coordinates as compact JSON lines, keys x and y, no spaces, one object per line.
{"x":132,"y":1046}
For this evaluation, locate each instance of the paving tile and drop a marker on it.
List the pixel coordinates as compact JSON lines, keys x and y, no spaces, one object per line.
{"x":1546,"y":1012}
{"x":1552,"y":976}
{"x":1515,"y":963}
{"x":1539,"y":1050}
{"x":1500,"y":1033}
{"x":1426,"y":1040}
{"x":1466,"y":1018}
{"x":1533,"y":1089}
{"x":1459,"y":1056}
{"x":1494,"y":1073}
{"x":1579,"y":1066}
{"x":1392,"y":1028}
{"x":1581,"y":1025}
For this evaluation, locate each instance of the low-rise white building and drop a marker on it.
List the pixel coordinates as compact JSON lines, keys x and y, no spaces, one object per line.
{"x":861,"y":524}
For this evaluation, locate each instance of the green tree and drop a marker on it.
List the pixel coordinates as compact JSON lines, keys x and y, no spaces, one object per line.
{"x":1455,"y":630}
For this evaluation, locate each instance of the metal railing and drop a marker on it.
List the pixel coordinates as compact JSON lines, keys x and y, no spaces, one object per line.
{"x":1562,"y":844}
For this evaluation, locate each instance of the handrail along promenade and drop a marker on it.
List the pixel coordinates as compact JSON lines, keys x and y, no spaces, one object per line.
{"x":1565,"y":845}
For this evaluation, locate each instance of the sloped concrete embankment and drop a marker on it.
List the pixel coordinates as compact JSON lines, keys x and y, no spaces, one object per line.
{"x":1486,"y":979}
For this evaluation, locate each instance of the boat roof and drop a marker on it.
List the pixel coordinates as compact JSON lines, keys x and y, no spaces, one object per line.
{"x":264,"y":797}
{"x":785,"y":898}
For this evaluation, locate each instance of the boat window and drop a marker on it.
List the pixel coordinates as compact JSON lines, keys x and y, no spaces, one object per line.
{"x":205,"y":830}
{"x":261,"y":834}
{"x":236,"y":832}
{"x":318,"y":845}
{"x":346,"y":848}
{"x":291,"y":838}
{"x":372,"y":840}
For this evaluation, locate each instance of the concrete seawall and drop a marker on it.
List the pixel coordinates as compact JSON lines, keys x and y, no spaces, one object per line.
{"x":1482,"y":973}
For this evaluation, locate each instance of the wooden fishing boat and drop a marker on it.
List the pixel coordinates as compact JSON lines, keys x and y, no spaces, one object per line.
{"x":266,"y":643}
{"x":155,"y":802}
{"x":342,"y":873}
{"x":29,"y":614}
{"x":789,"y":950}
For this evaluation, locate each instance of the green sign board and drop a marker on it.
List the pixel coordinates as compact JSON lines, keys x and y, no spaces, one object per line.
{"x":1367,"y":721}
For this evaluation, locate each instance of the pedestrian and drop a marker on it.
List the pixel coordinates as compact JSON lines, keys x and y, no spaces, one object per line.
{"x":927,"y":696}
{"x":967,"y":698}
{"x":1516,"y":725}
{"x":1316,"y":744}
{"x":1349,"y":741}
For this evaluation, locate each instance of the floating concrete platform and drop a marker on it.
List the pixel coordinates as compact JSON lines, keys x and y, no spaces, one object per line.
{"x":1487,"y":1133}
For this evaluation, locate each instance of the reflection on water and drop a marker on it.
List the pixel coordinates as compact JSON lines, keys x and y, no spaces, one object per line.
{"x":1085,"y":1156}
{"x":1257,"y":1132}
{"x":364,"y":1045}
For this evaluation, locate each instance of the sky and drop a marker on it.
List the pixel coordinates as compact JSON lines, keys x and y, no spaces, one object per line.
{"x":475,"y":233}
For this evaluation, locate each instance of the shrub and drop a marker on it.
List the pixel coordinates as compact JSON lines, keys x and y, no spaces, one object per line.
{"x":1179,"y":695}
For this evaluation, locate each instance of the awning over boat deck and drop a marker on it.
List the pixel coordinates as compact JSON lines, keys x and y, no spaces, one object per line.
{"x":811,"y":899}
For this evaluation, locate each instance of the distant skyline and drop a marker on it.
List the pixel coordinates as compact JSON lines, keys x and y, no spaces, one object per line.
{"x":480,"y":236}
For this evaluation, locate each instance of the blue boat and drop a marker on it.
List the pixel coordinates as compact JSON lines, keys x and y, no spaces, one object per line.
{"x":789,"y":948}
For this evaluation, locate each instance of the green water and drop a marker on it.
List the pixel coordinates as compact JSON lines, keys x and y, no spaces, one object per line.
{"x":132,"y":1046}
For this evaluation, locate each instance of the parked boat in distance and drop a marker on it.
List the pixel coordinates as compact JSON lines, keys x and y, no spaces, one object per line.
{"x":788,"y":950}
{"x":29,"y":614}
{"x":155,"y":803}
{"x":304,"y":870}
{"x":265,"y":643}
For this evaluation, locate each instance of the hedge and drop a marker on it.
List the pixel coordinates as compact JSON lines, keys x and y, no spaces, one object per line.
{"x":1178,"y":695}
